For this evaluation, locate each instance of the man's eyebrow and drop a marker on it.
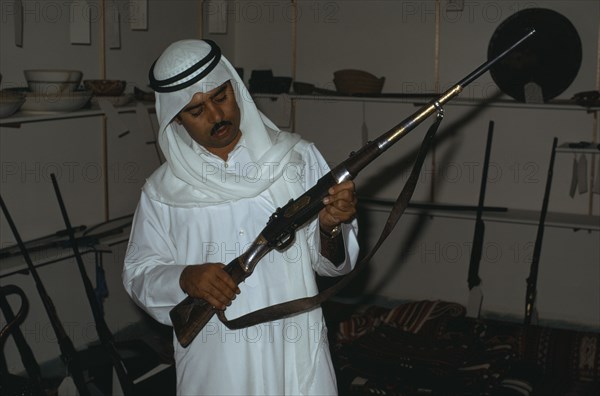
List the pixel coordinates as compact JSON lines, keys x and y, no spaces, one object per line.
{"x":219,"y":91}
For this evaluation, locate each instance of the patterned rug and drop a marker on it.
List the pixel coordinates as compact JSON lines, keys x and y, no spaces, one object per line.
{"x":430,"y":348}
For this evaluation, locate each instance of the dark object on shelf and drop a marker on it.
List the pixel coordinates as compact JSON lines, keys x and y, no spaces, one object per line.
{"x":105,"y":87}
{"x":302,"y":88}
{"x":281,"y":85}
{"x":352,"y":82}
{"x":259,"y":81}
{"x":324,"y":91}
{"x":549,"y":62}
{"x":263,"y":81}
{"x":143,"y":95}
{"x":261,"y":75}
{"x":587,"y":98}
{"x":240,"y":72}
{"x":583,"y":145}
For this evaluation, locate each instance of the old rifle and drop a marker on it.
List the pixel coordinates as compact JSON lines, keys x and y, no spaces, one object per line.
{"x":474,"y":281}
{"x":531,"y":292}
{"x":192,"y":314}
{"x":68,"y":352}
{"x":104,"y":333}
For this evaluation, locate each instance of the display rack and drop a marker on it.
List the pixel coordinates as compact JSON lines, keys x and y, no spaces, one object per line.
{"x":19,"y":118}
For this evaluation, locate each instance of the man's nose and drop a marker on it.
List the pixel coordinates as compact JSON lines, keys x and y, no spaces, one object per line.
{"x":214,"y":113}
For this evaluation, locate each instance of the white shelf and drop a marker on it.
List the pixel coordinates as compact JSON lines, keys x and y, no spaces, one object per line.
{"x":19,"y":118}
{"x":564,"y":148}
{"x":513,"y":216}
{"x":557,"y":104}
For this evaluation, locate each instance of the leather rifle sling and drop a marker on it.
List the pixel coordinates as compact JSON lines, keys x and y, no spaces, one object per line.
{"x":289,"y":308}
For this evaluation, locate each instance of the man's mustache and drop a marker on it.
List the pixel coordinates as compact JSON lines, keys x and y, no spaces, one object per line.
{"x":219,"y":125}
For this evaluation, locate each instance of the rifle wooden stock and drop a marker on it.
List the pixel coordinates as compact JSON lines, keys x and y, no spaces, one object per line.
{"x":189,"y":316}
{"x":192,"y":314}
{"x":68,"y":353}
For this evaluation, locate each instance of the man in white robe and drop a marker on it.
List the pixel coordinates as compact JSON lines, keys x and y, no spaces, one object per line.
{"x":228,"y":168}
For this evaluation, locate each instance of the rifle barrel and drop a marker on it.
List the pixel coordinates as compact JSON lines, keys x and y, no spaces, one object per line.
{"x":478,"y":235}
{"x":531,"y":292}
{"x":350,"y":168}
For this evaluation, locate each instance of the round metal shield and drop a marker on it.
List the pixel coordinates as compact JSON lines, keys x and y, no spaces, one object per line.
{"x":544,"y":65}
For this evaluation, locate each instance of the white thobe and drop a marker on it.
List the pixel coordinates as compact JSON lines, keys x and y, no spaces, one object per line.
{"x":284,"y":357}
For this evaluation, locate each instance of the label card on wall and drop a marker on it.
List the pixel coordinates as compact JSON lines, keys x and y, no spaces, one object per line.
{"x":79,"y":29}
{"x":138,"y":14}
{"x":113,"y":26}
{"x":217,"y":16}
{"x":18,"y":19}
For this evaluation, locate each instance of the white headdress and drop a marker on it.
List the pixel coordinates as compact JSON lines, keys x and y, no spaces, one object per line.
{"x":184,"y":69}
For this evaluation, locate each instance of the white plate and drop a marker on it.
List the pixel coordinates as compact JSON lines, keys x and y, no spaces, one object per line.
{"x":59,"y":103}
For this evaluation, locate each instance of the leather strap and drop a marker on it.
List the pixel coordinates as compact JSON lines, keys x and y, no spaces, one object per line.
{"x":289,"y":308}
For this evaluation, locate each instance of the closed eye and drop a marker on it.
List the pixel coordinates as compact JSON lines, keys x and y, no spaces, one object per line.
{"x":220,"y":98}
{"x":196,"y":111}
{"x":221,"y":95}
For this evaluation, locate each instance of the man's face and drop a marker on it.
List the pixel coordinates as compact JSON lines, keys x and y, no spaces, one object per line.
{"x":213,"y":119}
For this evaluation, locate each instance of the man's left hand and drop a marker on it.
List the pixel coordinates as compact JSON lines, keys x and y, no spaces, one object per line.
{"x":340,"y":206}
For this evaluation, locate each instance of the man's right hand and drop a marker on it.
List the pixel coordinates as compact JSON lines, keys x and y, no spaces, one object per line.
{"x":210,"y":283}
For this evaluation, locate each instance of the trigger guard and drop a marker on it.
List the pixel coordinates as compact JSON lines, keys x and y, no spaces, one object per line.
{"x":281,"y":246}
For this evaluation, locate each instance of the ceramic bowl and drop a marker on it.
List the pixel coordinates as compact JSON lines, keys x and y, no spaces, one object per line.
{"x":10,"y":102}
{"x":52,"y":81}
